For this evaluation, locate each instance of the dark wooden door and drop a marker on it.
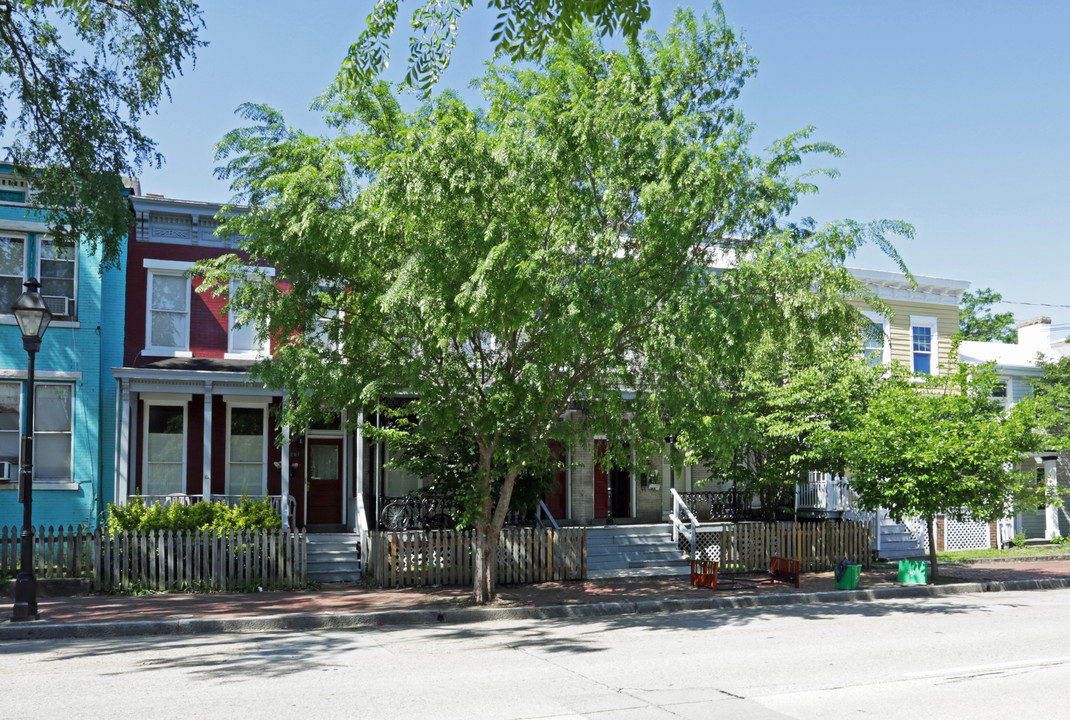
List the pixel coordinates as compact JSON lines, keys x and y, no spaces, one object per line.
{"x":621,"y":481}
{"x":555,"y":499}
{"x":323,"y":481}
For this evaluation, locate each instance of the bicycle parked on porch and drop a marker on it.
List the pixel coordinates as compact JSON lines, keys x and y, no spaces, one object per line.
{"x":417,"y":511}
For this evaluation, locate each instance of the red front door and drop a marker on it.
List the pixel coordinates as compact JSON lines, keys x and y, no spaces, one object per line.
{"x":323,"y":481}
{"x":555,"y":499}
{"x":601,"y":481}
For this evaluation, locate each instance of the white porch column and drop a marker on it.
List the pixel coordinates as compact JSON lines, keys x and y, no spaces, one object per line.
{"x":122,"y":452}
{"x":285,"y":488}
{"x":206,"y":465}
{"x":1051,"y":511}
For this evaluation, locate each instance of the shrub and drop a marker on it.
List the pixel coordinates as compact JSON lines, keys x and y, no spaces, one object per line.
{"x":249,"y":514}
{"x":1019,"y":540}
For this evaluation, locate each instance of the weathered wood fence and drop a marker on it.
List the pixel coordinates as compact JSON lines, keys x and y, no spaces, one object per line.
{"x":165,"y":560}
{"x":749,"y":547}
{"x":444,"y":557}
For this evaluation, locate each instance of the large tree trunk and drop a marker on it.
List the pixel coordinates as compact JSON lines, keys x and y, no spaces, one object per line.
{"x":488,"y":529}
{"x":934,"y":567}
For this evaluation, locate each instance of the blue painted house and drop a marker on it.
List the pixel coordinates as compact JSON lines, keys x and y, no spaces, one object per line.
{"x":74,"y":429}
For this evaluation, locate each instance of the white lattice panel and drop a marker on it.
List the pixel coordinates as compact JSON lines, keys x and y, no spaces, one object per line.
{"x":969,"y":535}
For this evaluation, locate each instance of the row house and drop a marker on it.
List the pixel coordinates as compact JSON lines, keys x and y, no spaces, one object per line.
{"x":1017,"y":368}
{"x":71,"y":426}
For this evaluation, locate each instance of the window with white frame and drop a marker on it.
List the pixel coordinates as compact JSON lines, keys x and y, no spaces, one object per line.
{"x":57,"y":270}
{"x":875,"y":339}
{"x":168,"y":313}
{"x":165,"y":449}
{"x":923,"y":342}
{"x":52,"y":432}
{"x":12,"y":270}
{"x":10,"y":427}
{"x":246,"y":450}
{"x":243,"y":340}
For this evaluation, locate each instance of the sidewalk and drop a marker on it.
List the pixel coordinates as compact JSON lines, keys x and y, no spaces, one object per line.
{"x":361,"y":606}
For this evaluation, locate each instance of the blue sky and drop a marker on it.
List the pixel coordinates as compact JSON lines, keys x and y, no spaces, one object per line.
{"x":951,"y":115}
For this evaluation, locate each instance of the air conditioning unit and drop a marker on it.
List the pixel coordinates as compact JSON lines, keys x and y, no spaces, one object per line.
{"x":58,"y":305}
{"x":5,"y":470}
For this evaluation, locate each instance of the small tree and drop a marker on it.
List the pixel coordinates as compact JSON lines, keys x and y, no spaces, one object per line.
{"x":942,"y":445}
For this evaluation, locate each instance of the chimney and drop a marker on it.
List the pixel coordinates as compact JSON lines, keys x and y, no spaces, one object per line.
{"x":1035,"y":334}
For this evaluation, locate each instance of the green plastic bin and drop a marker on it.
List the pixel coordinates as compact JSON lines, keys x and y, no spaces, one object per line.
{"x":850,"y":578}
{"x":914,"y":572}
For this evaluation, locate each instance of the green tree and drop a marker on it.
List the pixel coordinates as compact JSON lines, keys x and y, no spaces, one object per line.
{"x":553,"y":252}
{"x":790,"y":393}
{"x":78,"y":77}
{"x":978,"y":322}
{"x":1051,"y":398}
{"x":942,"y":446}
{"x":523,"y":30}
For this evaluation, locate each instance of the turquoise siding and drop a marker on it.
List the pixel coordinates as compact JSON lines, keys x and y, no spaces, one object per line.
{"x":70,"y":350}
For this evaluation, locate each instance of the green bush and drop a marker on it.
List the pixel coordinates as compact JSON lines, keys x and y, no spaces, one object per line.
{"x":247,"y":515}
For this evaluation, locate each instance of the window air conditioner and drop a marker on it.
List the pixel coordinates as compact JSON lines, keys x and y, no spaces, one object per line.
{"x":57,"y":305}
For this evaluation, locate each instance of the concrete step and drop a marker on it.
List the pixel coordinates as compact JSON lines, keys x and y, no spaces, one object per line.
{"x":333,"y":557}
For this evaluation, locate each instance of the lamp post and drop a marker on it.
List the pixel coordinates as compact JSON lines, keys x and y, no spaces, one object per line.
{"x":33,"y":318}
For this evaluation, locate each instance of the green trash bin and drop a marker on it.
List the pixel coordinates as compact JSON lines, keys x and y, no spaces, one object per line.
{"x":914,"y":572}
{"x":850,"y":577}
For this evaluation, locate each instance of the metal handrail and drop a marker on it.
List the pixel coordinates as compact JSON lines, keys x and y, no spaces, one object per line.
{"x":677,"y":523}
{"x":542,"y":510}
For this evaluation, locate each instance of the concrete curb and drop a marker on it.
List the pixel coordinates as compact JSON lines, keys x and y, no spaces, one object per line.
{"x":332,"y":621}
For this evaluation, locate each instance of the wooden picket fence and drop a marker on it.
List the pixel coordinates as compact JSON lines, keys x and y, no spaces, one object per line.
{"x":202,"y":560}
{"x":444,"y":557}
{"x":749,"y":547}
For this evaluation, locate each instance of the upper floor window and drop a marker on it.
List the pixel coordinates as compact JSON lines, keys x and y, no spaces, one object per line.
{"x":243,"y":339}
{"x":873,"y":344}
{"x":12,"y":269}
{"x":923,"y":342}
{"x":168,"y":312}
{"x":57,"y":270}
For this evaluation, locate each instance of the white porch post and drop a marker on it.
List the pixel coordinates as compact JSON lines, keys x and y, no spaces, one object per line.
{"x":285,"y":489}
{"x":1051,"y":510}
{"x":122,"y":453}
{"x":206,"y":465}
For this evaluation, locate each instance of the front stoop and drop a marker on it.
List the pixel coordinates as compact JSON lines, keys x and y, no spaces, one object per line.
{"x":633,"y":550}
{"x":333,"y":557}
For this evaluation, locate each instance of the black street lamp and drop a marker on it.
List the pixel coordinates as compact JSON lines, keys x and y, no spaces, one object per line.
{"x":33,"y":318}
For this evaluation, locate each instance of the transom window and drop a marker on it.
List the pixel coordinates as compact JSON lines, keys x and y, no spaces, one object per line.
{"x":165,"y":450}
{"x":57,"y":271}
{"x":247,"y":451}
{"x":12,"y":268}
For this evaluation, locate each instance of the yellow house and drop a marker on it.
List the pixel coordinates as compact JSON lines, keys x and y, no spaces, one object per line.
{"x":917,"y":335}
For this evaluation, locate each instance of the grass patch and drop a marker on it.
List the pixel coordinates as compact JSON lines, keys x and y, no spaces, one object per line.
{"x":1033,"y":551}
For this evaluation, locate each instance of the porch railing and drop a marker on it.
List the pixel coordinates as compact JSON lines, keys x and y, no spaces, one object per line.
{"x":284,"y":505}
{"x":543,"y":518}
{"x":826,"y":493}
{"x":683,"y":521}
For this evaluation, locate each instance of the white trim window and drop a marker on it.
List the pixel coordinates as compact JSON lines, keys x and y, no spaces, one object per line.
{"x":875,"y":345}
{"x":10,"y":427}
{"x":244,"y":341}
{"x":167,"y":313}
{"x":164,"y":463}
{"x":57,"y":270}
{"x":923,"y":345}
{"x":53,"y":430}
{"x":246,"y":450}
{"x":12,"y":269}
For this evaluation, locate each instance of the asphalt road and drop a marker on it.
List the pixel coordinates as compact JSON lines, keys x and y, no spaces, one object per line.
{"x":1004,"y":655}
